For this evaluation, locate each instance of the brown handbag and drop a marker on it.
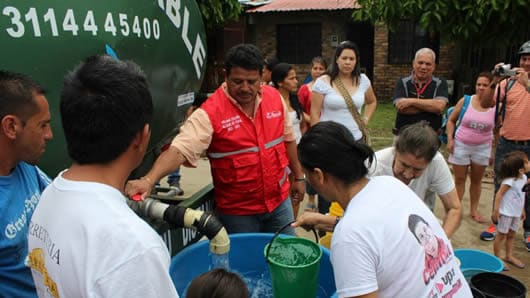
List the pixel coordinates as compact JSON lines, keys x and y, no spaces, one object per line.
{"x":351,"y":106}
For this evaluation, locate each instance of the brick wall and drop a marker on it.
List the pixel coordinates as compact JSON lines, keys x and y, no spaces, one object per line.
{"x":386,"y":75}
{"x":262,"y":32}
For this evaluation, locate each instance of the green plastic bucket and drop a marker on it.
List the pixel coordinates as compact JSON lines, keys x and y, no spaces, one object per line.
{"x":293,"y":265}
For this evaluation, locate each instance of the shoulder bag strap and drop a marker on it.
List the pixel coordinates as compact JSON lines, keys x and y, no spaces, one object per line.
{"x":355,"y":114}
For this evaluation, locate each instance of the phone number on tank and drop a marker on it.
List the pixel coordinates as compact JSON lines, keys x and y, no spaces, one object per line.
{"x":48,"y":22}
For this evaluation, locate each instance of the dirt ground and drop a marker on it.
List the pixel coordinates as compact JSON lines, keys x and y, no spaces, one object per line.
{"x":467,"y":236}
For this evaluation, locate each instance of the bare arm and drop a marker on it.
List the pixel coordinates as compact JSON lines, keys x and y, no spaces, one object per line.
{"x":498,"y":199}
{"x":453,"y":212}
{"x":317,"y":100}
{"x":297,"y":187}
{"x":166,"y":163}
{"x":416,"y":105}
{"x":451,"y":125}
{"x":370,"y":104}
{"x":317,"y":220}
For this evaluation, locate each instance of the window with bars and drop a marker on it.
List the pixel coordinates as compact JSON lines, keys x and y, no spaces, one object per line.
{"x":298,"y":43}
{"x":407,"y":39}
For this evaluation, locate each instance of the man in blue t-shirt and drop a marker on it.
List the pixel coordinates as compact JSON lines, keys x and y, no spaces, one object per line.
{"x":24,"y":132}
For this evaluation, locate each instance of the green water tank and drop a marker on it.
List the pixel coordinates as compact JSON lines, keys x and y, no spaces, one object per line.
{"x":45,"y":39}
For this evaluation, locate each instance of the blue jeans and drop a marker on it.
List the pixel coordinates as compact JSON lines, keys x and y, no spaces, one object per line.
{"x":261,"y":223}
{"x":504,"y":147}
{"x":174,"y":177}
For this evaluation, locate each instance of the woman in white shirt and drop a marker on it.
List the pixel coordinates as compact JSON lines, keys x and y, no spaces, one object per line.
{"x":384,"y":245}
{"x":327,"y":101}
{"x":283,"y":78}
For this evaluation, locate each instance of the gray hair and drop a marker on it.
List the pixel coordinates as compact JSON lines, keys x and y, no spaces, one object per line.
{"x":424,"y":51}
{"x":418,"y":139}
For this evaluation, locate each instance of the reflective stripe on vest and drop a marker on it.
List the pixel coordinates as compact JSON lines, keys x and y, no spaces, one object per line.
{"x":250,"y":149}
{"x":284,"y":177}
{"x":225,"y":154}
{"x":274,"y":142}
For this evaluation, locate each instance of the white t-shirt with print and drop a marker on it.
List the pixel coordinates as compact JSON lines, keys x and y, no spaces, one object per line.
{"x":334,"y":107}
{"x":373,"y":248}
{"x":435,"y":179}
{"x":84,"y":241}
{"x":512,"y":203}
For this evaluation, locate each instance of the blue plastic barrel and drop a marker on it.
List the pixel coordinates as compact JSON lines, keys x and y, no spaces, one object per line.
{"x":473,"y":261}
{"x":245,"y":258}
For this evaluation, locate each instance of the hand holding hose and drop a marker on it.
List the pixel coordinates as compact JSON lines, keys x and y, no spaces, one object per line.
{"x":140,"y":186}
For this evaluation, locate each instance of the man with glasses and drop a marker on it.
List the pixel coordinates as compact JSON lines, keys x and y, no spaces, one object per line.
{"x":248,"y":135}
{"x":414,"y":159}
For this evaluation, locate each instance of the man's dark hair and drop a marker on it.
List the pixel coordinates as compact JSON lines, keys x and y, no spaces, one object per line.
{"x":16,"y":95}
{"x":105,"y":103}
{"x":418,"y":139}
{"x":246,"y":56}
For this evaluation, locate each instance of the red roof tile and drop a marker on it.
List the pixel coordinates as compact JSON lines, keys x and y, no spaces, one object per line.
{"x":297,"y":5}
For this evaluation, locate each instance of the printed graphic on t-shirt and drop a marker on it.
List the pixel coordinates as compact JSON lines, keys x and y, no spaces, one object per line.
{"x":37,"y":259}
{"x":442,"y":279}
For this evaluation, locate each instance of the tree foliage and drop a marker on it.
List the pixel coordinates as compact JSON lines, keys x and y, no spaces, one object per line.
{"x":486,"y":22}
{"x":217,"y":12}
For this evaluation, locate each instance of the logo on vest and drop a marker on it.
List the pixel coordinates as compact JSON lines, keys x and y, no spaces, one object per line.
{"x":231,"y":123}
{"x":274,"y":114}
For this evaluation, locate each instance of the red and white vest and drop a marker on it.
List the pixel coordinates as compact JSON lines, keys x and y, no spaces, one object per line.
{"x":248,"y":158}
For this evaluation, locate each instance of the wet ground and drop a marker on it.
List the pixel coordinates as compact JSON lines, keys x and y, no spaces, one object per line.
{"x":467,"y":235}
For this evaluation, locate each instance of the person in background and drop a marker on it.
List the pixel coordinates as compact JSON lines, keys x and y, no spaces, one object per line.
{"x":173,"y":179}
{"x":514,"y":135}
{"x":420,"y":96}
{"x":84,"y":240}
{"x":24,"y":131}
{"x":248,"y":135}
{"x":415,"y":160}
{"x":509,"y":204}
{"x":217,"y":283}
{"x":339,"y":96}
{"x":267,"y":70}
{"x":284,"y":79}
{"x":470,"y":146}
{"x":318,"y":67}
{"x":373,"y":252}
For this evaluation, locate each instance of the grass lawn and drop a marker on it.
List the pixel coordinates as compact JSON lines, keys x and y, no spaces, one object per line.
{"x":381,"y":124}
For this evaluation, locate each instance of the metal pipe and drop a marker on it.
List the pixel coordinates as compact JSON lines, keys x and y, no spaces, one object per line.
{"x":181,"y":217}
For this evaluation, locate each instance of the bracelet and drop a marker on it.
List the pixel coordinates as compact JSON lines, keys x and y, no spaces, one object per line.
{"x":300,"y":179}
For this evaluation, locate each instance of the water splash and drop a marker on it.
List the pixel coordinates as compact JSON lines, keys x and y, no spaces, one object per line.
{"x":220,"y":261}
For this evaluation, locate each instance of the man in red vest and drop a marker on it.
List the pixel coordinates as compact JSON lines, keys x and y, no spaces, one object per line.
{"x":246,"y":131}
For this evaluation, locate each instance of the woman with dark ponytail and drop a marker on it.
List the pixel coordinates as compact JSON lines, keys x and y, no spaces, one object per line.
{"x":373,"y":251}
